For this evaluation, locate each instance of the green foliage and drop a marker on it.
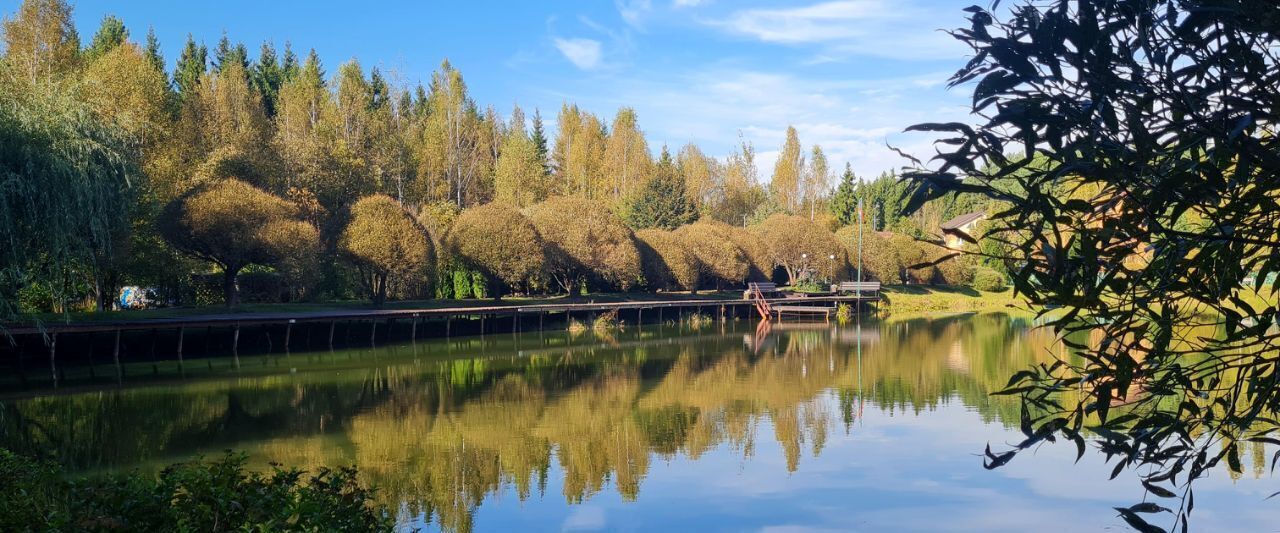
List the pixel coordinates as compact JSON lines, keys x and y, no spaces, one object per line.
{"x":461,"y":284}
{"x":986,"y":279}
{"x":663,"y":201}
{"x":844,"y":203}
{"x":218,"y":495}
{"x":111,"y":34}
{"x":1139,"y":211}
{"x":68,"y":185}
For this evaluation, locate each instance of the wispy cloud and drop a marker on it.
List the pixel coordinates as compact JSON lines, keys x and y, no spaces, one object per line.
{"x":878,"y":28}
{"x":583,"y":53}
{"x":688,"y":3}
{"x":634,"y":11}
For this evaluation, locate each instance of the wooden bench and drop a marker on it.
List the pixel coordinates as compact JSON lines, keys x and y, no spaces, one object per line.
{"x":766,"y":289}
{"x":866,"y":287}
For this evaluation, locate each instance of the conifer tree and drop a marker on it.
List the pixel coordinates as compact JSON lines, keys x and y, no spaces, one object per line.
{"x":268,"y":76}
{"x":191,"y":67}
{"x":154,"y":56}
{"x":289,"y":67}
{"x":663,"y":202}
{"x":111,"y":33}
{"x":539,"y":138}
{"x":845,"y":201}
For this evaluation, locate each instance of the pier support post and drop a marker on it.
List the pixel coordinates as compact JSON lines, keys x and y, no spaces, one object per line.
{"x":373,"y":333}
{"x":115,"y":356}
{"x":288,"y":334}
{"x":332,"y":324}
{"x":413,"y":331}
{"x":448,"y":325}
{"x":53,"y":352}
{"x":182,"y":333}
{"x":235,"y":346}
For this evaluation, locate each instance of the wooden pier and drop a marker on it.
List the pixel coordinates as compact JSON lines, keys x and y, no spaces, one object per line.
{"x":50,"y":337}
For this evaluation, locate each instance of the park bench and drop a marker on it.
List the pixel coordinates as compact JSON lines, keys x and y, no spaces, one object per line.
{"x":866,"y":288}
{"x":765,"y":289}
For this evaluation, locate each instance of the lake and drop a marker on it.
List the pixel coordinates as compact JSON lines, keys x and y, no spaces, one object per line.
{"x":727,"y":426}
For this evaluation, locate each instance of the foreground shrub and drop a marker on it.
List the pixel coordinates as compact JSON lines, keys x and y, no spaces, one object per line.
{"x":219,"y":495}
{"x":986,"y":279}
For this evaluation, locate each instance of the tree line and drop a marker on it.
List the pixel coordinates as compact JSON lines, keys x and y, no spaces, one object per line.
{"x":274,"y":177}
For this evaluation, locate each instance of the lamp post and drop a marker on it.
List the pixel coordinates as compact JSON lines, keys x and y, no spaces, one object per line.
{"x":859,"y":291}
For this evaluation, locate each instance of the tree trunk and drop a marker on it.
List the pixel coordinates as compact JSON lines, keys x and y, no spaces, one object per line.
{"x":230,"y":293}
{"x":380,"y":289}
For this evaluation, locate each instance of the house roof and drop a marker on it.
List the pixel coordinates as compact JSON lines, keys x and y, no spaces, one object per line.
{"x":961,"y":220}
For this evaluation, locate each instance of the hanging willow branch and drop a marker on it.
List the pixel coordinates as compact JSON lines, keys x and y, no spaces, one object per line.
{"x":65,"y":186}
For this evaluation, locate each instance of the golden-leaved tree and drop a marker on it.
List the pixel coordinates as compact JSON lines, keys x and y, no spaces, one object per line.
{"x":499,"y":241}
{"x":390,"y":248}
{"x":520,"y":178}
{"x":586,"y":240}
{"x":233,"y":224}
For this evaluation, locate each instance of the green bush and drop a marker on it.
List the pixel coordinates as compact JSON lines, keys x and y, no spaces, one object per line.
{"x":461,"y":284}
{"x":986,"y":279}
{"x":219,"y":495}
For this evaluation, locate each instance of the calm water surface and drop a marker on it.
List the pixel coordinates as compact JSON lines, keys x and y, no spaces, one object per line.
{"x":725,"y":427}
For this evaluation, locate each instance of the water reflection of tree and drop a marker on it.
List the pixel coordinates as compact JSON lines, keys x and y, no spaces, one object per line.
{"x":440,"y":437}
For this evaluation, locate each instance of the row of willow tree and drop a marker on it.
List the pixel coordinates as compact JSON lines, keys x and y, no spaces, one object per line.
{"x":118,"y":172}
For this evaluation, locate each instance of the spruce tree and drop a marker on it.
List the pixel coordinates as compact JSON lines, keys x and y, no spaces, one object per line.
{"x":267,"y":77}
{"x":539,"y":138}
{"x":845,"y":201}
{"x":663,"y":202}
{"x":289,"y":67}
{"x":111,"y":33}
{"x":190,"y":68}
{"x":153,"y":50}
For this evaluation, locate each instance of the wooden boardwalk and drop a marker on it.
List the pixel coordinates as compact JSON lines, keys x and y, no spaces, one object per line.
{"x":342,"y":315}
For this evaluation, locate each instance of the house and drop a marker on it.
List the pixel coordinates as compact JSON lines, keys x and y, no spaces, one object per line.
{"x":966,"y":224}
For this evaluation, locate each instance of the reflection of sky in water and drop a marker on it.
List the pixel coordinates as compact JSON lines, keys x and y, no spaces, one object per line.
{"x":889,"y":473}
{"x":456,"y":423}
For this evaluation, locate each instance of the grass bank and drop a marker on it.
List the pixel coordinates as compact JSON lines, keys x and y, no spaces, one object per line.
{"x":898,"y":300}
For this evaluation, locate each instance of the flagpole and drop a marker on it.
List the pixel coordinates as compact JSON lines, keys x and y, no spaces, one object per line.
{"x":860,"y":221}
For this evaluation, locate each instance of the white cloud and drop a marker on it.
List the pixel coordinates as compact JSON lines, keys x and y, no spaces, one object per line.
{"x":583,"y":53}
{"x":633,"y":11}
{"x":852,"y":119}
{"x":879,"y":28}
{"x":688,"y":3}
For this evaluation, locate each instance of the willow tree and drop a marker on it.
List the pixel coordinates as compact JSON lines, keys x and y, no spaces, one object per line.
{"x":720,"y":260}
{"x":586,"y":241}
{"x":233,"y":225}
{"x":500,"y":242}
{"x":796,"y":244}
{"x":666,"y":260}
{"x":388,"y":245}
{"x":1165,"y":111}
{"x":66,"y":188}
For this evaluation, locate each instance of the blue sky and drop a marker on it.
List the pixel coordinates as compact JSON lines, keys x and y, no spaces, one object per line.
{"x":850,"y":75}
